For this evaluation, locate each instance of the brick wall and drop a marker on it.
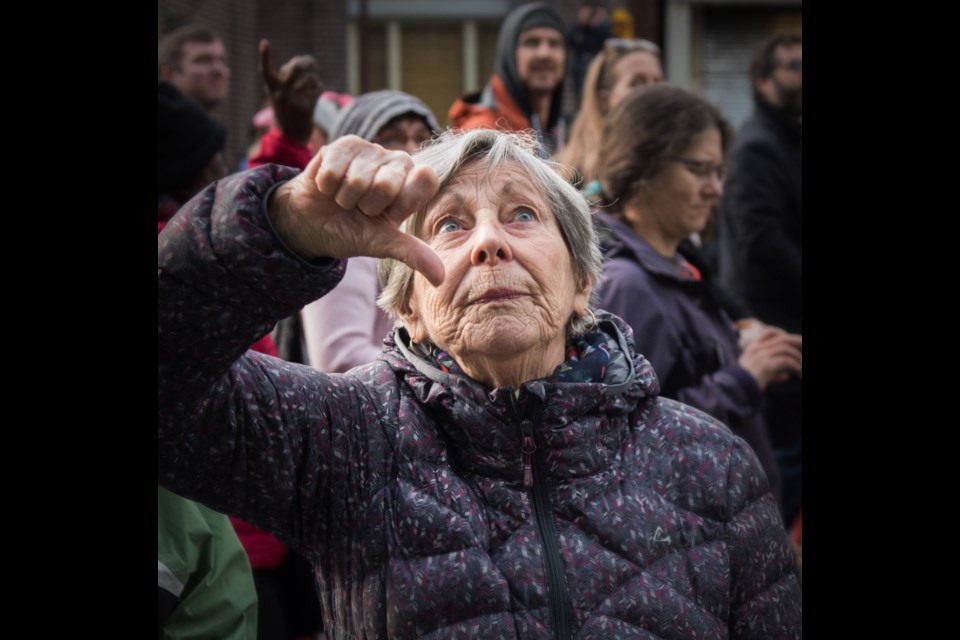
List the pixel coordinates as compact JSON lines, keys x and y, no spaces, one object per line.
{"x":303,"y":26}
{"x":317,"y":27}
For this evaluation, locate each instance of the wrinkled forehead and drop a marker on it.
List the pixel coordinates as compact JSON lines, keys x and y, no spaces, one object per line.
{"x":479,"y":181}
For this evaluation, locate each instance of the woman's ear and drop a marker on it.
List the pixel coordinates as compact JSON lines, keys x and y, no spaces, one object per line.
{"x":412,"y":321}
{"x":581,"y":300}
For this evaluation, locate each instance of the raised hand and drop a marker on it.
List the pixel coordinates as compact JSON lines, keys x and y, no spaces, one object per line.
{"x":350,"y":201}
{"x":293,"y":92}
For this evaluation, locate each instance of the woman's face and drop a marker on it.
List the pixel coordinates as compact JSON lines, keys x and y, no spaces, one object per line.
{"x":510,"y":288}
{"x":635,"y":69}
{"x":678,"y":201}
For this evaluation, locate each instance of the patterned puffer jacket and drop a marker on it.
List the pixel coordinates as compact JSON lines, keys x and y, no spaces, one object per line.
{"x":433,"y":506}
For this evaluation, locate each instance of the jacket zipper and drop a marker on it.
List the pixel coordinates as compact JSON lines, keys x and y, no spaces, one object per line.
{"x":558,"y":596}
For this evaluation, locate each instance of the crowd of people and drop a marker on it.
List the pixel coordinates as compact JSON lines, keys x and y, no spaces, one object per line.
{"x":487,"y":377}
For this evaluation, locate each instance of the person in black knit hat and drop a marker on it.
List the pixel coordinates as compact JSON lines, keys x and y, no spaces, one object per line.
{"x":189,"y":145}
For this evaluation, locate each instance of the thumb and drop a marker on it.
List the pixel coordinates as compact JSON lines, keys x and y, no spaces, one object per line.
{"x":267,"y":72}
{"x":417,"y":254}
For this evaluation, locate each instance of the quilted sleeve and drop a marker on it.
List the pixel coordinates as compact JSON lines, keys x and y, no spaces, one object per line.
{"x":279,"y":445}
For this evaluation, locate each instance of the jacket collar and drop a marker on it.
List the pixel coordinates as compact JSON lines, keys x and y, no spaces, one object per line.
{"x":483,"y":423}
{"x":619,"y":239}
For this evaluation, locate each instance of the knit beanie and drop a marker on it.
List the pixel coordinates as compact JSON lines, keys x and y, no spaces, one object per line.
{"x":540,"y":15}
{"x":370,"y":112}
{"x":187,"y":138}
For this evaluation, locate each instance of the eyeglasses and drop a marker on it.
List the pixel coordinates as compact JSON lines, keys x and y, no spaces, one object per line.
{"x":631,"y":44}
{"x":796,"y":64}
{"x":703,"y":169}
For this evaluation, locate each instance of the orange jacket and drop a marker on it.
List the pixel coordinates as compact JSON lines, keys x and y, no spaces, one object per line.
{"x":468,"y":113}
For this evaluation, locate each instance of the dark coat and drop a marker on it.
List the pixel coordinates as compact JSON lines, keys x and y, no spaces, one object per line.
{"x":404,"y":484}
{"x":680,"y":327}
{"x":761,"y":219}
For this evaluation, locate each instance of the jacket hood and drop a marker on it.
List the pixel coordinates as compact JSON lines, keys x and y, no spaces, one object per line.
{"x":370,"y":112}
{"x":577,"y":421}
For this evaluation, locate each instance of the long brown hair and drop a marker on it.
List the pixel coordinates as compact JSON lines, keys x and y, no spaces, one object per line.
{"x":648,"y":128}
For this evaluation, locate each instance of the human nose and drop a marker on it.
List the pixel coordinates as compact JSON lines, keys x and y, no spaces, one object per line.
{"x":411,"y":146}
{"x":544,"y":50}
{"x":714,"y":184}
{"x":490,"y":245}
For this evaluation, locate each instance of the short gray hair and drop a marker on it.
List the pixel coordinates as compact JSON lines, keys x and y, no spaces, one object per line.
{"x":489,"y":148}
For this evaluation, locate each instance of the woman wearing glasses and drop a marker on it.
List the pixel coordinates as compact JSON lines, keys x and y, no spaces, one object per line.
{"x":661,"y":171}
{"x":619,"y":67}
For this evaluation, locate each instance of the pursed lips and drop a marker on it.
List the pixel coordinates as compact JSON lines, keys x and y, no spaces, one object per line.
{"x":497,"y":295}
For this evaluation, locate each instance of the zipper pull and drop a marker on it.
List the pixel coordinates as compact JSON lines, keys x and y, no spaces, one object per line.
{"x":528,"y":448}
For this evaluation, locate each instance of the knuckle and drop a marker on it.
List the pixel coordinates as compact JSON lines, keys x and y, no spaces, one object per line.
{"x":355,"y":183}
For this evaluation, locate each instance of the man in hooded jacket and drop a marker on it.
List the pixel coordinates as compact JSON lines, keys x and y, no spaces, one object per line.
{"x":526,"y":90}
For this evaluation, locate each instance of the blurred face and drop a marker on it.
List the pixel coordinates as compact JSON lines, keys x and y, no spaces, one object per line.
{"x":203,"y":73}
{"x":635,"y":69}
{"x":784,"y":88}
{"x":541,"y":54}
{"x":510,"y":288}
{"x":678,"y":201}
{"x":404,"y":133}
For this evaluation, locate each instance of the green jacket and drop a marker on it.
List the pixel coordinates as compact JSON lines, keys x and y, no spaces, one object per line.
{"x":204,"y":583}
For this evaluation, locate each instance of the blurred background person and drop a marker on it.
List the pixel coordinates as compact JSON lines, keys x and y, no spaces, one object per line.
{"x":293,"y":92}
{"x":526,"y":90}
{"x":586,"y":39}
{"x":761,"y":232}
{"x":661,"y":169}
{"x":204,"y":584}
{"x":621,"y":66}
{"x":193,"y":59}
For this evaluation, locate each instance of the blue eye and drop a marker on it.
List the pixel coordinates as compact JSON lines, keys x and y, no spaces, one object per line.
{"x":524,"y":215}
{"x":448,"y":226}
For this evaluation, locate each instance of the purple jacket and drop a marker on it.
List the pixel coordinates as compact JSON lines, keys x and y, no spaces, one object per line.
{"x":681,"y":329}
{"x":404,"y":485}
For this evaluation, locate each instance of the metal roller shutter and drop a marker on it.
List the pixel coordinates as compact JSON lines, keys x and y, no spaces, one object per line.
{"x":729,"y":37}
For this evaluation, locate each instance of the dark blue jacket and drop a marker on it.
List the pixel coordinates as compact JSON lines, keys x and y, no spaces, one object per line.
{"x":680,"y":327}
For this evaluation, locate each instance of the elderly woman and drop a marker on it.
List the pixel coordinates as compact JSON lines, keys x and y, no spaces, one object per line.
{"x":506,"y":469}
{"x":662,"y":166}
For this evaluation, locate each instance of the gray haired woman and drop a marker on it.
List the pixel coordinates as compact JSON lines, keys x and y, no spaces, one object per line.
{"x":506,"y":469}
